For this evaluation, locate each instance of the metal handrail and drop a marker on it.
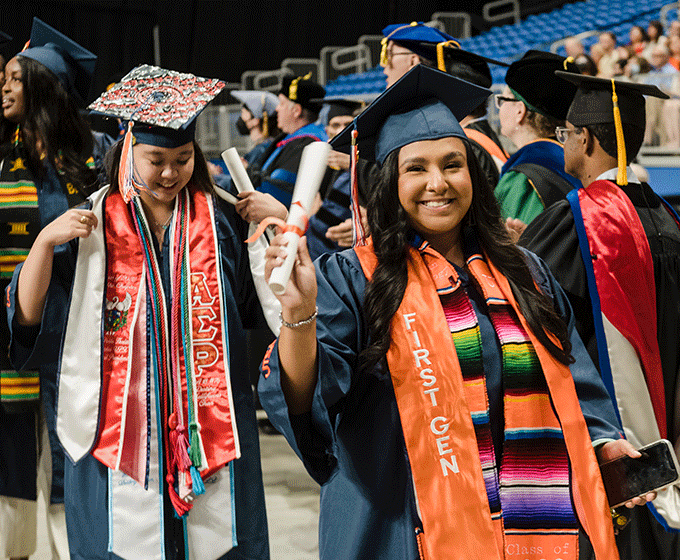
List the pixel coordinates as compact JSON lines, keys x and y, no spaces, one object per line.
{"x":514,"y":12}
{"x":583,"y":35}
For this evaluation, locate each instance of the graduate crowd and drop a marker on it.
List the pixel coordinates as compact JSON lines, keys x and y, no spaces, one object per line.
{"x":476,"y":320}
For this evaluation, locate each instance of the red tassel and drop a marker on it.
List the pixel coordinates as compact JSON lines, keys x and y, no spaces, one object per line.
{"x":179,"y":446}
{"x":179,"y":505}
{"x":358,"y":232}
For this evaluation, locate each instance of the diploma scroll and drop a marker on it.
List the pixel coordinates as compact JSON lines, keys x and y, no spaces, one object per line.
{"x":236,"y":170}
{"x":310,"y":174}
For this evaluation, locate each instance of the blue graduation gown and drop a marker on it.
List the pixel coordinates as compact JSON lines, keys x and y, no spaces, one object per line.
{"x":86,"y":482}
{"x":351,"y":442}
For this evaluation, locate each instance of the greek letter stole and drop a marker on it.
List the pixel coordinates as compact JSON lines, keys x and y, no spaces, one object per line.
{"x":468,"y":509}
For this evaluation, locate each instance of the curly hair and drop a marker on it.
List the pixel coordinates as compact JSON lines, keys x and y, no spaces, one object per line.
{"x":52,"y":127}
{"x":390,"y":231}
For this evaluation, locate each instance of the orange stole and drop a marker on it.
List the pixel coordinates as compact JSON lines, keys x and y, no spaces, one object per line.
{"x":123,"y":367}
{"x":440,"y":438}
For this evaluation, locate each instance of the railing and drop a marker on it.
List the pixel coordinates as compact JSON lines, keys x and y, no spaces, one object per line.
{"x":266,"y":80}
{"x":456,"y":24}
{"x":302,"y":66}
{"x":493,"y":11}
{"x":665,"y":11}
{"x":336,"y":61}
{"x":557,"y":44}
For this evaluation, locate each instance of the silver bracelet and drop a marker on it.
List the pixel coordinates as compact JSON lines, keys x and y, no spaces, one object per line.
{"x":299,"y":323}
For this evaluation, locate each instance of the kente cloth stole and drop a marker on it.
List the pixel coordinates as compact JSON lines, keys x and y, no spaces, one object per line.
{"x":188,"y":357}
{"x":618,"y":263}
{"x":525,"y":513}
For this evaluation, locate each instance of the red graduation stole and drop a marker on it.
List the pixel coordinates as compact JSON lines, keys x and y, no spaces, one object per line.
{"x":195,"y":351}
{"x":449,"y":486}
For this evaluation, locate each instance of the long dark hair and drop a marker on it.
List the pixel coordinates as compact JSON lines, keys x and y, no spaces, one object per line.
{"x":200,"y":177}
{"x":52,"y":127}
{"x":390,"y":229}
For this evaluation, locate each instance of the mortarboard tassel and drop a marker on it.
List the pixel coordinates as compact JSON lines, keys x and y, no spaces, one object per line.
{"x":621,"y":175}
{"x":128,"y":184}
{"x":384,"y":59}
{"x":292,"y":89}
{"x":567,"y":61}
{"x":265,"y":117}
{"x":441,"y":63}
{"x":358,"y":232}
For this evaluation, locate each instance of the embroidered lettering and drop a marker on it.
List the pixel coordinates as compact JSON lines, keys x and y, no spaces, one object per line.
{"x":451,"y":466}
{"x":421,"y":355}
{"x":443,"y":446}
{"x":206,"y":354}
{"x":442,"y":429}
{"x":429,"y":379}
{"x":408,"y":319}
{"x":266,"y":370}
{"x":432,"y":392}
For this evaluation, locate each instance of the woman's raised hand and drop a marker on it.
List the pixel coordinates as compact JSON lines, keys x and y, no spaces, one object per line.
{"x":298,"y":301}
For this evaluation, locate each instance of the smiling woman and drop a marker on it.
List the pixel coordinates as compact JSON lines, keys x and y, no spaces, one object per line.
{"x":421,"y":354}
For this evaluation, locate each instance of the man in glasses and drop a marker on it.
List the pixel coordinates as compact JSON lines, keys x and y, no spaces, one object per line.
{"x":614,"y":246}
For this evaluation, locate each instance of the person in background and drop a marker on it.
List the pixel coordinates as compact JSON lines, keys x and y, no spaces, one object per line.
{"x":661,"y":74}
{"x":46,"y":168}
{"x":656,"y":37}
{"x":606,"y":62}
{"x":391,"y":379}
{"x":396,"y":56}
{"x":638,"y":40}
{"x":330,"y":226}
{"x":573,"y":47}
{"x":257,"y":121}
{"x":148,"y":286}
{"x":533,"y":102}
{"x":274,"y":178}
{"x":475,"y":69}
{"x":614,"y":246}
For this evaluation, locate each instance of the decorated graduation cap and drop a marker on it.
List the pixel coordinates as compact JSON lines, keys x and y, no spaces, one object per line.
{"x":424,"y":104}
{"x":72,"y":65}
{"x":452,"y":59}
{"x":409,"y":35}
{"x":160,"y":106}
{"x":303,"y":90}
{"x":605,"y":101}
{"x":532,"y":80}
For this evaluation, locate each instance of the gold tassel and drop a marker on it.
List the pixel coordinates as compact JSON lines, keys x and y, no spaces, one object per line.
{"x":441,"y":64}
{"x":384,"y":59}
{"x":567,"y":61}
{"x":265,"y":117}
{"x":621,"y":175}
{"x":292,"y":90}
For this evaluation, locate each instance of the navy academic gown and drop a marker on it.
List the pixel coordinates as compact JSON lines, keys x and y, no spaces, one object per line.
{"x":86,"y":481}
{"x":352,"y":443}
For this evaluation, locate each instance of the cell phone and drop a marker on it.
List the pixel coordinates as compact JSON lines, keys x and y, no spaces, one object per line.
{"x":626,"y":477}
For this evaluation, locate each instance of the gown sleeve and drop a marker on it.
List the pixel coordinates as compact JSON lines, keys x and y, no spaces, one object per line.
{"x":341,"y":335}
{"x":517,"y":197}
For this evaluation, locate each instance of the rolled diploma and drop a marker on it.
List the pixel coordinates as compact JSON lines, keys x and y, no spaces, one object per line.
{"x":310,"y":174}
{"x":236,"y":170}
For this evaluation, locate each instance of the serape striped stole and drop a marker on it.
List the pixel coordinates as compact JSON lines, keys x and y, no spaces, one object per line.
{"x":468,"y":508}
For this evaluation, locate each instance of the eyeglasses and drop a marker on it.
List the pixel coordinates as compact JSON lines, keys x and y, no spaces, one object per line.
{"x":391,"y":55}
{"x":500,"y":99}
{"x":562,"y":132}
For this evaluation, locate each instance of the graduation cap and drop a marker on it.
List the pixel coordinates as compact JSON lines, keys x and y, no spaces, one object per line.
{"x":452,"y":59}
{"x":303,"y":90}
{"x":261,"y":104}
{"x":533,"y":81}
{"x":257,"y":102}
{"x":409,"y":35}
{"x":161,"y":106}
{"x":425,"y":104}
{"x":339,"y":106}
{"x":605,"y":101}
{"x":67,"y":60}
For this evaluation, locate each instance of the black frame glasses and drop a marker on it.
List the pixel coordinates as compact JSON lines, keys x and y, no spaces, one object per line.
{"x":499,"y":99}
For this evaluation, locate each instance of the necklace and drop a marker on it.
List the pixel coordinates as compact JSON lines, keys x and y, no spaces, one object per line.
{"x":164,"y":226}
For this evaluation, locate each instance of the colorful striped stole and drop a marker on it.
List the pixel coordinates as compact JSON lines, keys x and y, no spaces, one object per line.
{"x":450,"y":476}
